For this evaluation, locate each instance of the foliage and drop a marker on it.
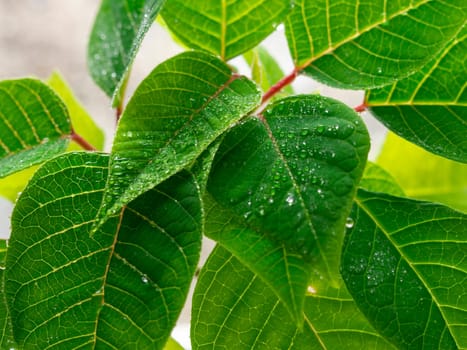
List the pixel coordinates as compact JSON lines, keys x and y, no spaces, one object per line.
{"x":316,"y":247}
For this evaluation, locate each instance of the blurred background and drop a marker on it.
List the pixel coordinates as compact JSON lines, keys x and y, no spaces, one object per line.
{"x":40,"y":36}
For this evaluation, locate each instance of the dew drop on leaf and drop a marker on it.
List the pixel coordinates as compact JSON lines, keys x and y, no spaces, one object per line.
{"x":349,"y":223}
{"x":144,"y":279}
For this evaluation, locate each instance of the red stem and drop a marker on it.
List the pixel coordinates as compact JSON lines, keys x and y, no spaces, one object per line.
{"x":118,"y":112}
{"x":81,"y":141}
{"x":361,"y":108}
{"x":287,"y":80}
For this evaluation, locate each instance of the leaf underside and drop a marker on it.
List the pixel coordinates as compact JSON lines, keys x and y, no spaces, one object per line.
{"x":34,"y":124}
{"x":404,"y":264}
{"x":429,"y":108}
{"x":367,"y":44}
{"x":234,"y":309}
{"x":124,"y":286}
{"x":226,"y":28}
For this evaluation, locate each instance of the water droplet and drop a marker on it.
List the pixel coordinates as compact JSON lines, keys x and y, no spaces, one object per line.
{"x":144,"y":279}
{"x":311,"y":290}
{"x":320,"y":129}
{"x":379,"y":70}
{"x":349,"y":223}
{"x":290,"y":199}
{"x":304,"y":132}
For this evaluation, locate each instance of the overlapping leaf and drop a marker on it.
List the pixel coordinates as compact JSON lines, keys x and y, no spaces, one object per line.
{"x":429,"y":107}
{"x":437,"y":179}
{"x":82,"y":122}
{"x":6,"y":330}
{"x":121,"y":288}
{"x":288,"y":181}
{"x":265,"y":71}
{"x":34,"y":124}
{"x":226,"y":28}
{"x":405,"y":265}
{"x":117,"y":33}
{"x":366,"y":44}
{"x":175,"y":114}
{"x":376,"y":179}
{"x":234,"y":309}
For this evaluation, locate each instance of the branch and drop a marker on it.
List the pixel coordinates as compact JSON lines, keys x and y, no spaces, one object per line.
{"x":287,"y":80}
{"x":81,"y":141}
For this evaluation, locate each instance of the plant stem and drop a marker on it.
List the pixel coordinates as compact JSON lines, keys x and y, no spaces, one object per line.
{"x":361,"y":108}
{"x":81,"y":141}
{"x":287,"y":80}
{"x":118,"y":112}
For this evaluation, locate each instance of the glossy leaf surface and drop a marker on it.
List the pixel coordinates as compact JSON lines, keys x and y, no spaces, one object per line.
{"x":118,"y":31}
{"x":34,"y":124}
{"x":404,"y":263}
{"x":234,"y":309}
{"x":82,"y":122}
{"x":437,"y":179}
{"x":366,"y":44}
{"x":289,"y":181}
{"x":226,"y":28}
{"x":174,"y":115}
{"x":429,"y":107}
{"x":121,"y":288}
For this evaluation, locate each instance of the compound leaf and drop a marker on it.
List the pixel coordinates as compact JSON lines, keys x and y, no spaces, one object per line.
{"x":174,"y":115}
{"x":404,"y":264}
{"x":34,"y":124}
{"x":234,"y":309}
{"x":226,"y":28}
{"x":429,"y":108}
{"x":116,"y":36}
{"x":288,"y":179}
{"x":366,"y":44}
{"x":124,"y":286}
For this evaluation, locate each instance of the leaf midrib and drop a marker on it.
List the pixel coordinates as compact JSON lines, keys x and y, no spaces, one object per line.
{"x":368,"y":212}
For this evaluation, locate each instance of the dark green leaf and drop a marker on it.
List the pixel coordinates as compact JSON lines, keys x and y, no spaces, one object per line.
{"x":437,"y":179}
{"x":404,"y":264}
{"x":234,"y":309}
{"x":174,"y":115}
{"x":34,"y":124}
{"x":366,"y":44}
{"x":265,"y":70}
{"x":429,"y":107}
{"x":376,"y":179}
{"x":117,"y":33}
{"x":289,"y":180}
{"x":121,"y":288}
{"x":6,"y":328}
{"x":225,"y":28}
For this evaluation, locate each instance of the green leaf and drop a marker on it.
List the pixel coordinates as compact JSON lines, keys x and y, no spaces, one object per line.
{"x":82,"y":122}
{"x":34,"y":124}
{"x":437,"y":179}
{"x":404,"y":264}
{"x":288,"y":178}
{"x":174,"y":115}
{"x":265,"y":70}
{"x":116,"y":36}
{"x":429,"y":107}
{"x":121,"y":288}
{"x":6,"y":330}
{"x":226,"y":28}
{"x":376,"y":179}
{"x":366,"y":44}
{"x":172,"y":345}
{"x":234,"y":309}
